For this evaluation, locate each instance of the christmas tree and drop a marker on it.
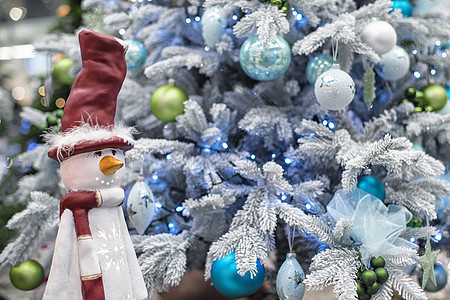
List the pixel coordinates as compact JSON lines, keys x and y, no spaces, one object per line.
{"x":271,"y":133}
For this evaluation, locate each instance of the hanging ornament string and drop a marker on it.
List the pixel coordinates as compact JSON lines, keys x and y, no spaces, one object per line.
{"x":291,"y":237}
{"x":334,"y":50}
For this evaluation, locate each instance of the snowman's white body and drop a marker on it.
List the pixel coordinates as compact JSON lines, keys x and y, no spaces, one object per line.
{"x":122,"y":278}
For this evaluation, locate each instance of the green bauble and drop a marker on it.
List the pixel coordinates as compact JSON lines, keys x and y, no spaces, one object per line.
{"x":369,"y":277}
{"x":382,"y":275}
{"x":52,"y":120}
{"x":61,"y":71}
{"x":167,"y":102}
{"x":434,"y":96}
{"x":373,"y":289}
{"x":360,"y":288}
{"x":410,"y":93}
{"x":27,"y":275}
{"x":377,"y":262}
{"x":364,"y":297}
{"x":59,"y":113}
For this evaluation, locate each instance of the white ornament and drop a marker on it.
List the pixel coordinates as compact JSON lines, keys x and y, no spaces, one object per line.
{"x":394,"y":64}
{"x":213,"y":26}
{"x":290,"y":278}
{"x":141,"y":205}
{"x":379,"y":35}
{"x":334,"y":89}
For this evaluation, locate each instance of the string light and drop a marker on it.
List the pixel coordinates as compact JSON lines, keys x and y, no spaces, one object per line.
{"x":169,"y":156}
{"x":188,"y":20}
{"x":416,"y":74}
{"x":438,"y":236}
{"x":197,"y":19}
{"x":234,"y":17}
{"x":179,"y":208}
{"x":253,"y":156}
{"x":225,"y":145}
{"x":412,"y":240}
{"x":308,"y":206}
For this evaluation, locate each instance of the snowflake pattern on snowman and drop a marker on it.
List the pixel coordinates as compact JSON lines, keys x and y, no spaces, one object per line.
{"x":112,"y":249}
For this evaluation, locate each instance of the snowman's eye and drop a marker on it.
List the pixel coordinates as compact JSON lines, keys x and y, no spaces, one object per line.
{"x":98,"y":153}
{"x":113,"y":152}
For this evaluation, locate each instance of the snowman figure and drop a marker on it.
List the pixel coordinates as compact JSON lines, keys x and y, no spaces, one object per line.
{"x":94,"y":258}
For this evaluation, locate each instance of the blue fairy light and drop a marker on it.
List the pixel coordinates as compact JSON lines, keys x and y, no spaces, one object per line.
{"x":325,"y":122}
{"x":433,"y":72}
{"x":122,"y":31}
{"x":170,"y":225}
{"x":288,"y":161}
{"x":253,"y":156}
{"x":274,"y":155}
{"x":158,"y":205}
{"x":154,"y":178}
{"x":25,"y":125}
{"x":416,"y":74}
{"x":234,"y":17}
{"x":225,"y":145}
{"x":179,"y":208}
{"x":414,"y":51}
{"x":197,"y":19}
{"x":169,"y":156}
{"x":188,"y":20}
{"x":32,"y":146}
{"x":331,"y":125}
{"x":412,"y":239}
{"x":283,"y":197}
{"x":308,"y":206}
{"x":438,"y":236}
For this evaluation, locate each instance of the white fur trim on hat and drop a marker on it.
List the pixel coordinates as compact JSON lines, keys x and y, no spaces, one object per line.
{"x":87,"y":132}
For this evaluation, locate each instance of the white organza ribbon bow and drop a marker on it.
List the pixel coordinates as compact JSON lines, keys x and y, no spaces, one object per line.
{"x":375,"y":226}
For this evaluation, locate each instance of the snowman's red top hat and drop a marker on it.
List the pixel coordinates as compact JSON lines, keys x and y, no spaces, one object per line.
{"x":88,"y":120}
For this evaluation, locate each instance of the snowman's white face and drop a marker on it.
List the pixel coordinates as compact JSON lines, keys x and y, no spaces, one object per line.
{"x":86,"y":171}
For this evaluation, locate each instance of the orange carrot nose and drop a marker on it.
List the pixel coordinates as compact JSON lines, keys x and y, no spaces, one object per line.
{"x":109,"y":165}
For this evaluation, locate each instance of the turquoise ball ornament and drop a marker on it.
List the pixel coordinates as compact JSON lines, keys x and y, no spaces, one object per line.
{"x":317,"y":66}
{"x":290,"y":279}
{"x":229,"y":283}
{"x":404,"y":6}
{"x":372,"y":186}
{"x":441,"y":279}
{"x":265,"y":62}
{"x":213,"y":26}
{"x":136,"y":55}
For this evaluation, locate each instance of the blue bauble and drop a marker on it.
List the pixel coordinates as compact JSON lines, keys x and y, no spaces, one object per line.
{"x":394,"y":64}
{"x":290,"y":278}
{"x":441,"y":279}
{"x":265,"y":62}
{"x":136,"y":55}
{"x":213,"y":26}
{"x":372,"y":186}
{"x":404,"y":6}
{"x":317,"y":66}
{"x":229,"y":283}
